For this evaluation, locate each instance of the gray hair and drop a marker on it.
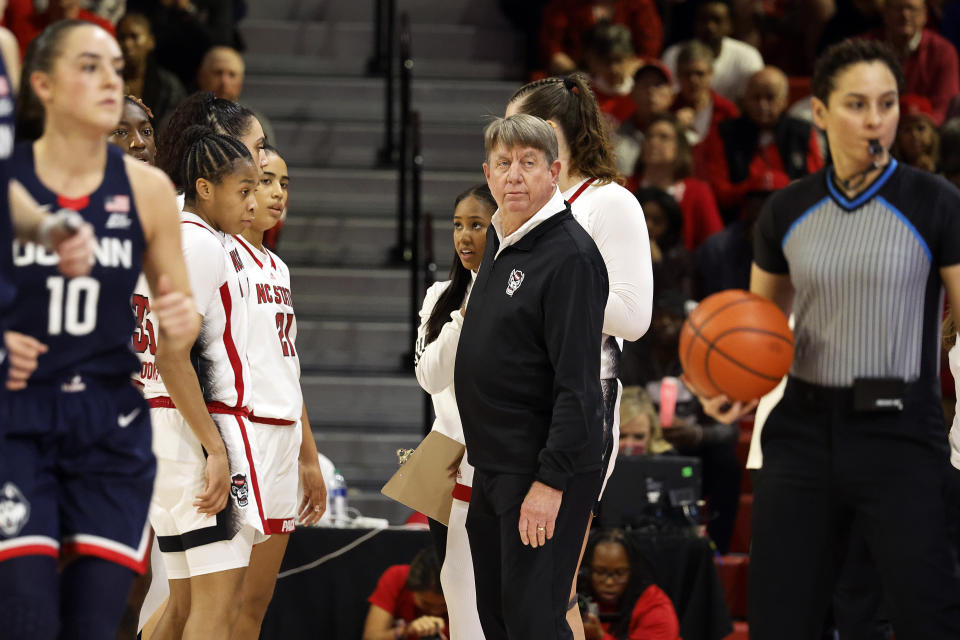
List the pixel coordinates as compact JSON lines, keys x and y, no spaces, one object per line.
{"x":695,"y":50}
{"x":521,"y":130}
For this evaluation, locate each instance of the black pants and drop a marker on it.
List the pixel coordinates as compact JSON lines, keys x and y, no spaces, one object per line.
{"x":522,"y":592}
{"x":826,"y":467}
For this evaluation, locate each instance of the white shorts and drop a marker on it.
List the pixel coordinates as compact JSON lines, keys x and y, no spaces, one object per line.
{"x":193,"y":543}
{"x":278,"y":468}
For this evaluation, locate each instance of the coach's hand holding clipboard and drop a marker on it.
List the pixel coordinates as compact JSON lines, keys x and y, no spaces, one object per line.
{"x":424,"y":482}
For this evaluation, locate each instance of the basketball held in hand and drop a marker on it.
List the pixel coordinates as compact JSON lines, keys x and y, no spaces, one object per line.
{"x":736,"y":343}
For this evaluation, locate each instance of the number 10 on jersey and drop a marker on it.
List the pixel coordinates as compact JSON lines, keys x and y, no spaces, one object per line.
{"x":73,"y":305}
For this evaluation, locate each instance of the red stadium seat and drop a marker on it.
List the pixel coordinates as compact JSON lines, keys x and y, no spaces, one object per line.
{"x":733,"y":570}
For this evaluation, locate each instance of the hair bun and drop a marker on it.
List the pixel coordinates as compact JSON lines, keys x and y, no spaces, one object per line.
{"x":571,"y":85}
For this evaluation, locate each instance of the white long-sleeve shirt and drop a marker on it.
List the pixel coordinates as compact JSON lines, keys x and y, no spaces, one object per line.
{"x":434,"y":365}
{"x":614,"y":219}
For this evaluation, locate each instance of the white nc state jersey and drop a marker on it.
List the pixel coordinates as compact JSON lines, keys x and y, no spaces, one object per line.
{"x":272,"y":352}
{"x":145,"y":336}
{"x":220,"y":288}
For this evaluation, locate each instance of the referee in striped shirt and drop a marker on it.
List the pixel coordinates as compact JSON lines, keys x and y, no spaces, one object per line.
{"x":860,"y":252}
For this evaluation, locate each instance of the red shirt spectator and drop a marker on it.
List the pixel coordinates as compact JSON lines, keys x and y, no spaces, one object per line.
{"x":27,"y":23}
{"x":929,"y":60}
{"x":766,"y":169}
{"x":565,"y":21}
{"x":666,"y":162}
{"x":701,"y":217}
{"x":931,"y":70}
{"x":619,"y":107}
{"x":653,"y":618}
{"x":396,"y":603}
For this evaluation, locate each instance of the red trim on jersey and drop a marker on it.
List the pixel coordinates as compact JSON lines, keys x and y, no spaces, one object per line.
{"x":30,"y":550}
{"x":137,"y":383}
{"x":163,"y":402}
{"x":90,"y":549}
{"x":202,"y":226}
{"x":277,"y":422}
{"x":270,"y":255}
{"x":283,"y":526}
{"x":77,"y":204}
{"x":462,"y":492}
{"x":253,"y":474}
{"x":583,"y":187}
{"x":228,"y":343}
{"x":249,"y":250}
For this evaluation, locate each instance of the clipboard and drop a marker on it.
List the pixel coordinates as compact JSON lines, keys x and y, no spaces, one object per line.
{"x":423,"y":482}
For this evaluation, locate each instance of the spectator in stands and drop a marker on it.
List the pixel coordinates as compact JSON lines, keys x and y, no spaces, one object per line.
{"x":565,"y":22}
{"x":185,"y":29}
{"x":135,"y":133}
{"x":723,"y":260}
{"x":666,"y":162}
{"x":698,"y":107}
{"x":950,"y":150}
{"x":929,"y":60}
{"x":221,"y":72}
{"x":620,"y":582}
{"x":408,"y":601}
{"x":142,"y":77}
{"x":109,"y":10}
{"x":761,"y":150}
{"x":918,"y":141}
{"x":610,"y":62}
{"x":734,"y":61}
{"x":640,"y":430}
{"x":850,"y":18}
{"x":652,"y":96}
{"x":646,"y":363}
{"x":26,"y":20}
{"x":672,"y":263}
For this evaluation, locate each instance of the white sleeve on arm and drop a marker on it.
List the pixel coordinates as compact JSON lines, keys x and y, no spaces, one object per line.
{"x":434,"y":362}
{"x":204,"y":256}
{"x":620,"y":232}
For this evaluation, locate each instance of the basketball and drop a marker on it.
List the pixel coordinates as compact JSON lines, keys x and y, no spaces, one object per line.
{"x":736,"y":343}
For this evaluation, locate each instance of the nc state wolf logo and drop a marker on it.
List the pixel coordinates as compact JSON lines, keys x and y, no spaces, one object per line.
{"x":514,"y":281}
{"x":239,"y":490}
{"x":14,"y":510}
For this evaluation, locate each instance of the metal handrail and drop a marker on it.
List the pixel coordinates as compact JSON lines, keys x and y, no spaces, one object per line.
{"x":381,"y":63}
{"x":401,"y":251}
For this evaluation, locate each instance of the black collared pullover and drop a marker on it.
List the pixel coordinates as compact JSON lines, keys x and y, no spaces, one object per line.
{"x":527,"y":373}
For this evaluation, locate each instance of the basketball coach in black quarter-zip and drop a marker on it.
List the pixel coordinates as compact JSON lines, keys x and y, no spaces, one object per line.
{"x":527,"y":380}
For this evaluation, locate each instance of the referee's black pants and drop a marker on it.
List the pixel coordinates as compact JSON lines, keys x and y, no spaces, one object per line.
{"x":522,"y":592}
{"x":826,"y":467}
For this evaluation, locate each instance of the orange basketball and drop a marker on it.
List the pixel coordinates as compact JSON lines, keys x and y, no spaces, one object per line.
{"x":736,"y":343}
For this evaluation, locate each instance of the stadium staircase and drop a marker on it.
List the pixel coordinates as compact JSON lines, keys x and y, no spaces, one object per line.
{"x":306,"y":71}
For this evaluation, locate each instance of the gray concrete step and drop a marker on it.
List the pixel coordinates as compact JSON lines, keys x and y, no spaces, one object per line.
{"x":342,"y":48}
{"x":338,"y":293}
{"x":352,"y":345}
{"x":317,"y":184}
{"x":350,"y":241}
{"x":420,"y":11}
{"x":364,"y":404}
{"x":357,"y":144}
{"x":361,"y":99}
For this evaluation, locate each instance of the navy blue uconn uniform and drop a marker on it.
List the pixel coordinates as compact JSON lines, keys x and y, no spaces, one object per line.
{"x":76,"y":466}
{"x":7,"y":288}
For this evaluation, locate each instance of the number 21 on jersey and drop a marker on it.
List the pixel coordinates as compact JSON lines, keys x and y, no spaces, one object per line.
{"x":284,"y":322}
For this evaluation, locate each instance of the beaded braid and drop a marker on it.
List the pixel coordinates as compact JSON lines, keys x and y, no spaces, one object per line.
{"x":209,"y":155}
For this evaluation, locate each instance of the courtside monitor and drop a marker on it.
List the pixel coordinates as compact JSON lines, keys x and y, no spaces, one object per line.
{"x":641,"y":484}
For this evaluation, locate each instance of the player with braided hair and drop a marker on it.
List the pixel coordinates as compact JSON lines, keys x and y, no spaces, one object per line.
{"x":206,"y":508}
